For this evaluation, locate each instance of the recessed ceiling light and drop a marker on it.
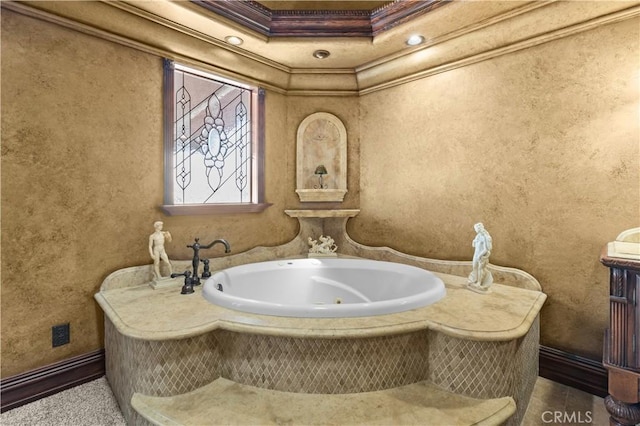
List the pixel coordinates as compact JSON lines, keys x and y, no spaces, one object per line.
{"x":321,"y":54}
{"x":236,"y":41}
{"x":414,"y":40}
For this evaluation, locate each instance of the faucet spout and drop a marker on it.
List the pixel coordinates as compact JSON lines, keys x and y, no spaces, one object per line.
{"x":227,"y":246}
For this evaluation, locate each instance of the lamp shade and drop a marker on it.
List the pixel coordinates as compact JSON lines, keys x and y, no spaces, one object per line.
{"x":321,"y":170}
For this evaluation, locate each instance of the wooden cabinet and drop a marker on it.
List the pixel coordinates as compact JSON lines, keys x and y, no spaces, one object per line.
{"x":621,"y":357}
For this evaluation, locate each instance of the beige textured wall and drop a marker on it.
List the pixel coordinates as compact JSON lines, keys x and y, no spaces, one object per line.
{"x":82,"y":179}
{"x":541,"y":145}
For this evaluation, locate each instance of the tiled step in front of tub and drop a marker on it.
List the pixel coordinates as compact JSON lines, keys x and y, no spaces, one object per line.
{"x":226,"y":402}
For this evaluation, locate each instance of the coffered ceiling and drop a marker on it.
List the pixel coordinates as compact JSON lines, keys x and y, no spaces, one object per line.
{"x":324,"y":5}
{"x":352,"y":45}
{"x":310,"y":22}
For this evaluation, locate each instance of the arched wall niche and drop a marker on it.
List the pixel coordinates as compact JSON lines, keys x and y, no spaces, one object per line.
{"x":321,"y":162}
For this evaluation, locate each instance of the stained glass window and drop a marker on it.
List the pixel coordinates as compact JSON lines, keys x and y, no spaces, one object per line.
{"x":210,"y":133}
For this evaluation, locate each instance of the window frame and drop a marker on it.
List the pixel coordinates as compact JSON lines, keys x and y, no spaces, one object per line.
{"x":257,"y":203}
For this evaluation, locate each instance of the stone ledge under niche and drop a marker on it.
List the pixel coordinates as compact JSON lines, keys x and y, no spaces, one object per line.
{"x":322,"y":213}
{"x":321,"y":195}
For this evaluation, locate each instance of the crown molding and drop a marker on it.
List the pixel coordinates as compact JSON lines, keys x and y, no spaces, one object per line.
{"x":419,"y":64}
{"x":249,"y":14}
{"x":399,"y":12}
{"x":528,"y":26}
{"x":137,"y":30}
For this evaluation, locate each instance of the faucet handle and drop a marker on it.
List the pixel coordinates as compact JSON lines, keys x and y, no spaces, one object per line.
{"x":185,"y":274}
{"x":206,"y":273}
{"x":187,"y":288}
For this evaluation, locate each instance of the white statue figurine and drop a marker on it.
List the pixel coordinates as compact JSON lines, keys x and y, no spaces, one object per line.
{"x":325,"y":247}
{"x":156,"y":248}
{"x":480,"y":278}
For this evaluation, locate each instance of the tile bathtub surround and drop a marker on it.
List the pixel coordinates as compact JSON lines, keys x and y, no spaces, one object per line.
{"x":166,"y":344}
{"x":326,"y":366}
{"x":162,"y":343}
{"x":477,"y":369}
{"x":483,"y":369}
{"x":161,"y":368}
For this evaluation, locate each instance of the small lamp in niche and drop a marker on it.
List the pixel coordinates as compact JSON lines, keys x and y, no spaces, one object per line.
{"x":321,"y":170}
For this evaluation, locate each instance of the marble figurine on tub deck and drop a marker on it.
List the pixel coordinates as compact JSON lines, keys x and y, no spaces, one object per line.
{"x":158,"y":253}
{"x":480,"y":279}
{"x":322,"y":247}
{"x":157,"y":250}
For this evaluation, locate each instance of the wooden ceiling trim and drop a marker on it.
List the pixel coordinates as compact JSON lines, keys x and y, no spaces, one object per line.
{"x":333,"y":23}
{"x":247,"y":13}
{"x":400,"y":12}
{"x":319,"y":23}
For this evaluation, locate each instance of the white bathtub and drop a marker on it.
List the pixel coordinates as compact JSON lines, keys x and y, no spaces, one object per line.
{"x":323,"y":288}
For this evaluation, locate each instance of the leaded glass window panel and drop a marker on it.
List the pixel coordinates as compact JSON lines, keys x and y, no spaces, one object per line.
{"x":210,"y":139}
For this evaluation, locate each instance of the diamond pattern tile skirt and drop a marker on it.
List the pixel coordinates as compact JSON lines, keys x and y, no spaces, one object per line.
{"x":480,"y":369}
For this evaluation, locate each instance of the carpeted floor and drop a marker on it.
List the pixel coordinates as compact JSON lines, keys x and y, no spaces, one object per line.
{"x":93,"y":404}
{"x":90,"y":404}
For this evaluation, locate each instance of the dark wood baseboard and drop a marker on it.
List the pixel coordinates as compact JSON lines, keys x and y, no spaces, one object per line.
{"x":30,"y":386}
{"x":562,"y":367}
{"x":572,"y":370}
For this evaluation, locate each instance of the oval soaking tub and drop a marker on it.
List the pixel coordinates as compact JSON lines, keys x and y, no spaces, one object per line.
{"x":323,"y":288}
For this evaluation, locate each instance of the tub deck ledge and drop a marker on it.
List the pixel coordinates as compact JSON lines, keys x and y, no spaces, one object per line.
{"x":160,"y":314}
